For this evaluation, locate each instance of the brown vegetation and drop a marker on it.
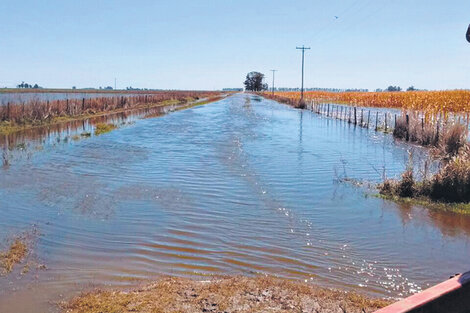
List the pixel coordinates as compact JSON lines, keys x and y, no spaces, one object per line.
{"x":15,"y":116}
{"x":432,"y":103}
{"x":14,"y":255}
{"x":229,"y":294}
{"x":102,"y":128}
{"x":451,"y":183}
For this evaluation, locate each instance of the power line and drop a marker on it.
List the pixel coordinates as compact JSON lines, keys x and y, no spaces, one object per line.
{"x":303,"y":48}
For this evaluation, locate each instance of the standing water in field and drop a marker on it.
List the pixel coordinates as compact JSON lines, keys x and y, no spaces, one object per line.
{"x":240,"y":186}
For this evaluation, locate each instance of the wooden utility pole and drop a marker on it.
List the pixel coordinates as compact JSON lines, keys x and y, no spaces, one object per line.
{"x":303,"y":48}
{"x":273,"y":80}
{"x":468,"y":33}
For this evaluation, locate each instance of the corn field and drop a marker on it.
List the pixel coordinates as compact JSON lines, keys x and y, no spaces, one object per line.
{"x":431,"y":103}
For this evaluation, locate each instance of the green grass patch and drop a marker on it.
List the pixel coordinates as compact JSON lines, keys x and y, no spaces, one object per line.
{"x":460,"y":208}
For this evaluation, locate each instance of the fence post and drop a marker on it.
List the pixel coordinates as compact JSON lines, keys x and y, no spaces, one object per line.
{"x":8,"y":110}
{"x":362,"y":117}
{"x":355,"y":117}
{"x":368,"y":119}
{"x":385,"y":121}
{"x":328,"y":112}
{"x":395,"y":125}
{"x":83,"y":105}
{"x":376,"y":119}
{"x":407,"y":127}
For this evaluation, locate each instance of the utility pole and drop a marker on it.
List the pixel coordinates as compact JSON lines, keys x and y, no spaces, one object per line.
{"x":114,"y":83}
{"x":303,"y":48}
{"x":273,"y":79}
{"x":468,"y":33}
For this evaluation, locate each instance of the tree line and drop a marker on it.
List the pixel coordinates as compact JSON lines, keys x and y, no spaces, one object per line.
{"x":26,"y":85}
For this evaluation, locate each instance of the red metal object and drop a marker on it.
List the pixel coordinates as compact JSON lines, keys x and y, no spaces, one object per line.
{"x":452,"y":296}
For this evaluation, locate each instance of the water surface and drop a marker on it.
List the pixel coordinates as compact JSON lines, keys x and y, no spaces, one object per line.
{"x":240,"y":186}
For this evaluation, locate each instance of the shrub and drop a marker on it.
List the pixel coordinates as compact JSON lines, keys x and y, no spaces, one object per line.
{"x":401,"y":128}
{"x":452,"y":182}
{"x":453,"y":139}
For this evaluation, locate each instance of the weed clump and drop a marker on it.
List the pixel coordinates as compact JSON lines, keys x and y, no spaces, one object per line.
{"x":14,"y":255}
{"x":301,"y":104}
{"x":103,"y":128}
{"x":453,"y":140}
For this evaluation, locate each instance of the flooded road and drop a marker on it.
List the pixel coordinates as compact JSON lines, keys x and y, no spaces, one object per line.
{"x":240,"y":186}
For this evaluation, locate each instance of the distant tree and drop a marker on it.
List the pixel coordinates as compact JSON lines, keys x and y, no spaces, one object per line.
{"x":108,"y":88}
{"x":393,"y":88}
{"x":254,"y":82}
{"x":411,"y":88}
{"x":378,"y":90}
{"x":35,"y":86}
{"x":73,"y":87}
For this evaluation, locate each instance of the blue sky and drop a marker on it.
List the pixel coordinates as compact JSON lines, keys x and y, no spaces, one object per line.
{"x":213,"y":44}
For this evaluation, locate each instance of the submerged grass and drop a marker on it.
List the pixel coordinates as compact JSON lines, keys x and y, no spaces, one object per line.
{"x":102,"y":128}
{"x":14,"y":255}
{"x":226,"y":294}
{"x":459,"y":208}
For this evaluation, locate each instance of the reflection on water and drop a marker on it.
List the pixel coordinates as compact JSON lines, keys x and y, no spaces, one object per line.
{"x":26,"y":142}
{"x":240,"y":186}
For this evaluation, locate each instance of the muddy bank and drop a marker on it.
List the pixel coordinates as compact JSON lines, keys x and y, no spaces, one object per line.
{"x":227,"y":294}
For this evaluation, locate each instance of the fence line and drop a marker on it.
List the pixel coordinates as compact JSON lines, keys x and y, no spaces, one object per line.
{"x":383,"y":121}
{"x":39,"y":110}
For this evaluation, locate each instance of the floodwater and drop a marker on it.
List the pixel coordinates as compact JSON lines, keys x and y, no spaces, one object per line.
{"x":239,"y":186}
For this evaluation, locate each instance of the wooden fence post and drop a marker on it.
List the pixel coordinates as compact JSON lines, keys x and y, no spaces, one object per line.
{"x":376,"y":119}
{"x":407,"y":127}
{"x":355,"y":117}
{"x":368,"y":119}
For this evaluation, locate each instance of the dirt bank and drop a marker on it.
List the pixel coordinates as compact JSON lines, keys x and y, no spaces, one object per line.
{"x":227,"y":294}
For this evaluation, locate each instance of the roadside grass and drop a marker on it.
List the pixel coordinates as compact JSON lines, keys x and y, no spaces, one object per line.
{"x":449,"y":186}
